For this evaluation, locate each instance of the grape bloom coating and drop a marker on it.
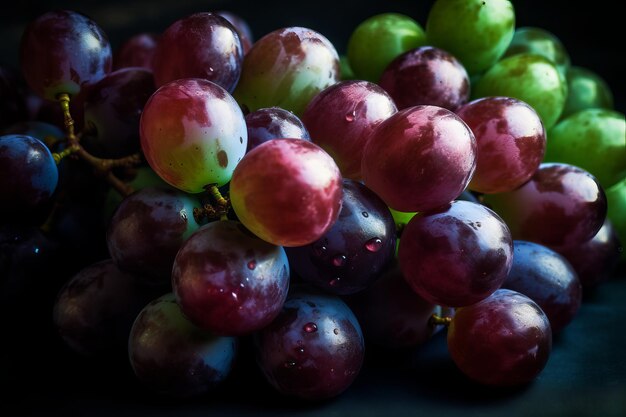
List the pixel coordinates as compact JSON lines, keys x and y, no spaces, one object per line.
{"x":193,"y":134}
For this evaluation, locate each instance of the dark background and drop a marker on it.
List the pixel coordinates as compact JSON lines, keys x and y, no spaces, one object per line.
{"x":586,"y":373}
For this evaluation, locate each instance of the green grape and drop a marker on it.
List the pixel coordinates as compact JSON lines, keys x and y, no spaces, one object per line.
{"x":345,"y":69}
{"x":477,"y":32}
{"x":378,"y":40}
{"x":541,"y":42}
{"x":586,"y":90}
{"x":616,"y":198}
{"x":400,"y":217}
{"x":593,"y":139}
{"x":528,"y":77}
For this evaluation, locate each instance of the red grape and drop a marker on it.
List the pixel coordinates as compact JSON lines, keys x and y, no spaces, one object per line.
{"x":137,"y":51}
{"x":273,"y":123}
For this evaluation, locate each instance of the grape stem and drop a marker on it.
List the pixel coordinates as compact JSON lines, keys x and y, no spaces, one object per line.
{"x":102,"y":167}
{"x":210,"y":212}
{"x":436,"y":320}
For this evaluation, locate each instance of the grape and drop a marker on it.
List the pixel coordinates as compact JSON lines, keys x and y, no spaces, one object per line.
{"x":341,"y":119}
{"x":378,"y":40}
{"x":593,"y":139}
{"x":420,"y":158}
{"x":530,"y":78}
{"x":113,"y":108}
{"x":287,"y":192}
{"x":354,"y":251}
{"x":47,"y":133}
{"x":95,"y":309}
{"x":273,"y":123}
{"x":560,"y":206}
{"x":193,"y":134}
{"x":202,"y":45}
{"x":548,"y":279}
{"x":586,"y":90}
{"x":595,"y":260}
{"x":345,"y":69}
{"x":426,"y":75}
{"x":476,"y":32}
{"x":148,"y":229}
{"x":314,"y":349}
{"x":511,"y":142}
{"x":287,"y":68}
{"x":137,"y":51}
{"x":616,"y":198}
{"x":541,"y":42}
{"x":174,"y":357}
{"x":502,"y":340}
{"x":28,"y":174}
{"x":456,"y":255}
{"x":228,"y":281}
{"x":241,"y":26}
{"x":61,"y":51}
{"x":391,"y":314}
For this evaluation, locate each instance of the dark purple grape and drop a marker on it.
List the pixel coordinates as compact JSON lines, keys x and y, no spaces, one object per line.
{"x":595,"y":260}
{"x":137,"y":51}
{"x":13,"y":105}
{"x":95,"y":309}
{"x":314,"y":349}
{"x":548,"y":279}
{"x":426,"y":76}
{"x":61,"y":51}
{"x":202,"y":45}
{"x":502,"y":340}
{"x":273,"y":123}
{"x":172,"y":356}
{"x":28,"y":174}
{"x":391,"y":314}
{"x":242,"y":27}
{"x":560,"y":206}
{"x":148,"y":229}
{"x":113,"y":108}
{"x":229,"y":281}
{"x":342,"y":117}
{"x":352,"y":254}
{"x":457,"y":255}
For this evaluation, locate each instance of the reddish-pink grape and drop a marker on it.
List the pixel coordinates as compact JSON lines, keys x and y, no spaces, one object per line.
{"x":503,"y":340}
{"x":511,"y":142}
{"x":273,"y":123}
{"x":137,"y":51}
{"x":456,"y":255}
{"x":202,"y":45}
{"x":242,"y":27}
{"x":287,"y":191}
{"x":419,"y":159}
{"x":426,"y":75}
{"x":341,"y":119}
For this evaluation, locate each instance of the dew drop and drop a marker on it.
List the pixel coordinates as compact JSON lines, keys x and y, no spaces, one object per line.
{"x":336,"y":331}
{"x":374,"y":245}
{"x":339,"y":260}
{"x":351,"y":116}
{"x":251,"y":264}
{"x":289,"y":364}
{"x":334,"y":282}
{"x":365,"y":214}
{"x":310,"y":327}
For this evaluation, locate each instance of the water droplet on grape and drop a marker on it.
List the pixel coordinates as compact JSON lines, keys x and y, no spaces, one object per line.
{"x":211,"y":69}
{"x":374,"y":245}
{"x":334,"y":282}
{"x":365,"y":214}
{"x":289,"y":364}
{"x":339,"y":260}
{"x":336,"y":331}
{"x":351,"y":116}
{"x":251,"y":264}
{"x":310,"y":327}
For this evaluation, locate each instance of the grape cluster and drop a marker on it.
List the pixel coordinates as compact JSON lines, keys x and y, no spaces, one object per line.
{"x":199,"y":191}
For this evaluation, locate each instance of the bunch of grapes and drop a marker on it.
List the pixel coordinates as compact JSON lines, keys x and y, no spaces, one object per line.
{"x":270,"y":193}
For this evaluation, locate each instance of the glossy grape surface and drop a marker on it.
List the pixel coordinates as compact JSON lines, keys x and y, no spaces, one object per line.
{"x":426,"y":75}
{"x":287,"y":68}
{"x":147,"y":230}
{"x":342,"y":118}
{"x":560,"y":206}
{"x":202,"y":45}
{"x":420,"y":158}
{"x":287,"y":192}
{"x":354,"y":251}
{"x":61,"y":51}
{"x":548,"y":279}
{"x":136,"y":51}
{"x":511,"y":142}
{"x":477,"y":32}
{"x":530,"y":78}
{"x":586,"y":90}
{"x":616,"y":197}
{"x":241,"y":26}
{"x":376,"y":41}
{"x":593,"y":139}
{"x":172,"y":356}
{"x":503,"y":340}
{"x":273,"y":123}
{"x":113,"y":108}
{"x":539,"y":41}
{"x":193,"y":133}
{"x":456,"y":255}
{"x":314,"y":349}
{"x":228,"y":281}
